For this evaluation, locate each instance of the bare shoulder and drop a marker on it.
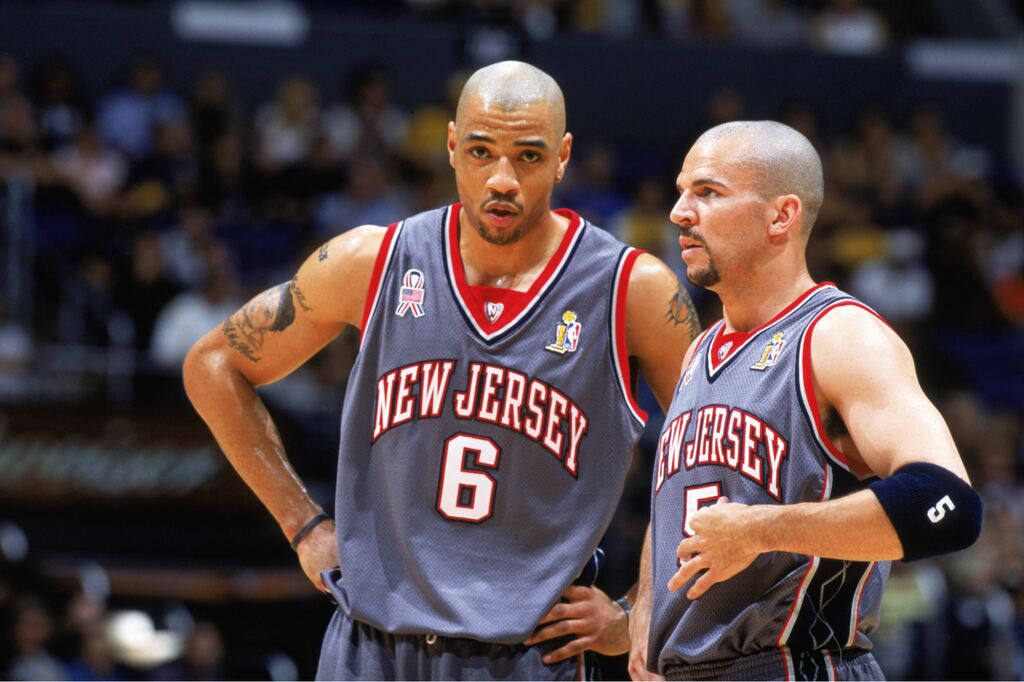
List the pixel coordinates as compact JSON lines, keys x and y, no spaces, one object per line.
{"x":661,"y":323}
{"x":657,"y":296}
{"x":334,"y":280}
{"x":853,"y":350}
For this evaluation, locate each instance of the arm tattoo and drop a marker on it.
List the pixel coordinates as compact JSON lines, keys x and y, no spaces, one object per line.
{"x":681,"y":311}
{"x":271,"y":311}
{"x":323,"y":252}
{"x":299,"y":296}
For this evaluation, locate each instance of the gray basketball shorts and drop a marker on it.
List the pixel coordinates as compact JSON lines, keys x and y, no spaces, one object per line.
{"x":353,"y":650}
{"x":844,"y":664}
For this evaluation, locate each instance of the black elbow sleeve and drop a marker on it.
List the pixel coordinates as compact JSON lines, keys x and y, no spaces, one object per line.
{"x":933,"y":510}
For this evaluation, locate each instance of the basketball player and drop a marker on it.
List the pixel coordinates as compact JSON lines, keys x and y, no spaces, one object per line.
{"x":488,"y":423}
{"x":799,"y":455}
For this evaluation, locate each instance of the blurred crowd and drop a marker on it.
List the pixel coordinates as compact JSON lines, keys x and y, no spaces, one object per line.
{"x":143,"y":216}
{"x":839,"y":26}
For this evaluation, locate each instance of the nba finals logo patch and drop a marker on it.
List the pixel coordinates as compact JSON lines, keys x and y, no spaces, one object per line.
{"x":567,"y":335}
{"x":410,"y":297}
{"x":770,"y":354}
{"x":493,"y":311}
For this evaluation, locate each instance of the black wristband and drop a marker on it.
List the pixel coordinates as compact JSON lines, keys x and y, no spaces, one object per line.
{"x":308,"y":528}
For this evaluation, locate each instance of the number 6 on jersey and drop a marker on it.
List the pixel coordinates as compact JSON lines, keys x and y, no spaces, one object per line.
{"x":458,"y":482}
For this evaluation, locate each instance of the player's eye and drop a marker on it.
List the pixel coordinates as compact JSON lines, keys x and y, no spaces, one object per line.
{"x":478,"y":152}
{"x":530,"y":156}
{"x":707,"y":192}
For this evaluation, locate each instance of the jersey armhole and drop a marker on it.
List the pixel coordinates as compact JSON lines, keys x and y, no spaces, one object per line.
{"x":808,"y":396}
{"x":620,"y":353}
{"x":380,"y":265}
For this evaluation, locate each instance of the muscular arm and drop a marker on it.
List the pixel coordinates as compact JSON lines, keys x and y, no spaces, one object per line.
{"x":866,"y":374}
{"x":263,"y":341}
{"x":661,"y":323}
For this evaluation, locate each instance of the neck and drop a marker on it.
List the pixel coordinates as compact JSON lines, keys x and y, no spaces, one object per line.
{"x":760,"y":297}
{"x":511,"y":266}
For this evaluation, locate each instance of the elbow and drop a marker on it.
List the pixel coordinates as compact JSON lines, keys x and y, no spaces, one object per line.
{"x":197,"y":370}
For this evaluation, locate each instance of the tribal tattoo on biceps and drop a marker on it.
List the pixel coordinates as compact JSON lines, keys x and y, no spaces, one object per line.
{"x":682,"y":311}
{"x":271,"y":311}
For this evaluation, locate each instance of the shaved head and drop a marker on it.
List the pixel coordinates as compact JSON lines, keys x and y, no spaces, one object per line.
{"x":783,"y":161}
{"x":512,"y":86}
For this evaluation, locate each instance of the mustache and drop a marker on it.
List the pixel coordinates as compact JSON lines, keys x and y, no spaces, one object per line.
{"x":502,"y":200}
{"x":690,"y":234}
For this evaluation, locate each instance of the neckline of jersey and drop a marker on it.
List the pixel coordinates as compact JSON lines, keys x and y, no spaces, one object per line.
{"x":472,"y":305}
{"x":740,"y":340}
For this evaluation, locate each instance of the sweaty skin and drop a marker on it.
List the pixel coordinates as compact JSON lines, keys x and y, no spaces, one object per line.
{"x":508,"y":148}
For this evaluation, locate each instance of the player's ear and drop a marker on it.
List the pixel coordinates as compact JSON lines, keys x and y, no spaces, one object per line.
{"x":785,"y":216}
{"x":451,"y":143}
{"x":564,"y":152}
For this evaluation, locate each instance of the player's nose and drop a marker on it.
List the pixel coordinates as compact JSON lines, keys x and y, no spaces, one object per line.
{"x":503,"y":180}
{"x":683,"y":213}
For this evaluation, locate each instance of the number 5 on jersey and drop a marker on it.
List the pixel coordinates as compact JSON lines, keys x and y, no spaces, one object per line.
{"x":696,"y":497}
{"x":467,"y":494}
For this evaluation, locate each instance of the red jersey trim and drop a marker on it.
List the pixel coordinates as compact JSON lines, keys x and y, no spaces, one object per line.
{"x":467,"y":299}
{"x":619,"y":349}
{"x":744,"y":338}
{"x":809,"y":397}
{"x":379,"y":268}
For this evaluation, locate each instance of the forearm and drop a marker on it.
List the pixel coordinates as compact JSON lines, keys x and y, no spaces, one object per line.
{"x":243,"y":428}
{"x":854,"y":527}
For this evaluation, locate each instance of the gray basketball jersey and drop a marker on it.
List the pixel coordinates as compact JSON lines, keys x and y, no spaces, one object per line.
{"x":483,"y":451}
{"x":744,"y":424}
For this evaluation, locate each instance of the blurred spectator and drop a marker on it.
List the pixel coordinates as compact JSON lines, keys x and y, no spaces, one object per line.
{"x":956,"y":251}
{"x":369,"y":199}
{"x":94,"y":172}
{"x":128,"y":117}
{"x":937,"y":164}
{"x":168,"y":174}
{"x":33,"y":629}
{"x":897,"y":285}
{"x":191,"y":314}
{"x":19,"y":139}
{"x":203,"y":658}
{"x":89,"y":315}
{"x":767,"y":22}
{"x":644,"y":224}
{"x":213,"y":109}
{"x":10,"y":76}
{"x":15,"y":344}
{"x":61,"y":107}
{"x":224,"y":176}
{"x":285,"y":127}
{"x":184,"y":247}
{"x":95,"y":660}
{"x":848,"y":27}
{"x":590,"y":189}
{"x":144,"y":289}
{"x":367,"y":122}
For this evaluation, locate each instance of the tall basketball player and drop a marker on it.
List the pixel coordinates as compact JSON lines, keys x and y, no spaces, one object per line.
{"x":488,"y":423}
{"x":799,"y":455}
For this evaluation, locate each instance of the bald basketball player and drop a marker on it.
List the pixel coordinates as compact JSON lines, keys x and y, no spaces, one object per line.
{"x":799,"y":455}
{"x":489,"y":419}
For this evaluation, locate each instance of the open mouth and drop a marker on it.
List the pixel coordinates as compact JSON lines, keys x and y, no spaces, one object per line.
{"x":501,"y":215}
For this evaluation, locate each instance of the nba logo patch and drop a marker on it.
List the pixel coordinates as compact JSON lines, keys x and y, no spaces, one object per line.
{"x":567,"y":334}
{"x":770,"y":354}
{"x":688,"y":375}
{"x":410,"y":296}
{"x":493,"y":311}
